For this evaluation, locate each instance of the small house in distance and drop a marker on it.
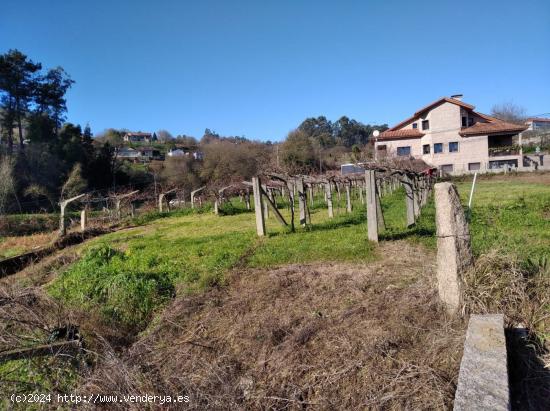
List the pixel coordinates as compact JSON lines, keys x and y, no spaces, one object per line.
{"x":450,"y":135}
{"x":537,"y":123}
{"x":139,"y":137}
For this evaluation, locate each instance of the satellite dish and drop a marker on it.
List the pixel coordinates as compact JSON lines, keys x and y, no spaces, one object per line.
{"x":376,"y":133}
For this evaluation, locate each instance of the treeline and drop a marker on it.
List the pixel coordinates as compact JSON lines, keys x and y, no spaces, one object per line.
{"x":43,"y":159}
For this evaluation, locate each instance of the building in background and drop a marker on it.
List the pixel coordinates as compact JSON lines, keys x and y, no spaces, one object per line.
{"x":450,"y":135}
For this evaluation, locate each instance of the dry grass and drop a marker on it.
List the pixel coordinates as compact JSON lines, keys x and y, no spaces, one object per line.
{"x":17,"y":245}
{"x":499,"y":283}
{"x":332,"y":336}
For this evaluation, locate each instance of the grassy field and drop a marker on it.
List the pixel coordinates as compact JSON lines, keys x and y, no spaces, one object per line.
{"x":126,"y":278}
{"x":129,"y":274}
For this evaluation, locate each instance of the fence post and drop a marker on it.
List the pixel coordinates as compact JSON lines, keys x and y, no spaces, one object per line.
{"x":372,"y":218}
{"x":83,"y":219}
{"x":409,"y":198}
{"x":258,"y":209}
{"x":328,"y":194}
{"x":302,"y":201}
{"x":348,"y":197}
{"x":63,"y":205}
{"x":454,"y":255}
{"x":161,"y":202}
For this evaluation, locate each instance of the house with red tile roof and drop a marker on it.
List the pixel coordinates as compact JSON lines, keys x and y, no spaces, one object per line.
{"x":451,"y":135}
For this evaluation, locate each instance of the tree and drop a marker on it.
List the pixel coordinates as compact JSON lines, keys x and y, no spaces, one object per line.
{"x":298,"y":152}
{"x":17,"y":86}
{"x":510,"y":112}
{"x":50,"y":95}
{"x":164,"y":136}
{"x":75,"y":183}
{"x":7,"y":183}
{"x":320,"y":129}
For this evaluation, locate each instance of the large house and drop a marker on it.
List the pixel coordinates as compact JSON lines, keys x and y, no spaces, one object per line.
{"x":139,"y":137}
{"x":450,"y":135}
{"x":537,"y":123}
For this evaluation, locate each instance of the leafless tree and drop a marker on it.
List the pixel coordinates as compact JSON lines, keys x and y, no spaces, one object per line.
{"x":509,"y":111}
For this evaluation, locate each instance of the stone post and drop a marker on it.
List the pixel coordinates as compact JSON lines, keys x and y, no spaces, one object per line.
{"x":258,"y":207}
{"x":409,"y":198}
{"x":83,"y":219}
{"x":454,"y":255}
{"x":372,"y":218}
{"x":302,"y":201}
{"x":348,"y":197}
{"x":328,"y":194}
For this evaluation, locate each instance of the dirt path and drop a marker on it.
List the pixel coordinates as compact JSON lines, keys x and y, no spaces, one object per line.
{"x":315,"y":336}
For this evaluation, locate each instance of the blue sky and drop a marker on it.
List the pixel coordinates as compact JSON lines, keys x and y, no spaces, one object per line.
{"x":258,"y":68}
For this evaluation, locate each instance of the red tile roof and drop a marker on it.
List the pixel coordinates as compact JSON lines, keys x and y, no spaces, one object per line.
{"x":493,"y":126}
{"x":397,"y":134}
{"x":429,"y":107}
{"x":539,"y":119}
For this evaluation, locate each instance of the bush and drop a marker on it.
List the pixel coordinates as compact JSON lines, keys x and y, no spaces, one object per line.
{"x":124,"y":286}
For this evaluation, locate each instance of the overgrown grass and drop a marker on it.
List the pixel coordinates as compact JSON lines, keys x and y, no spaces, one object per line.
{"x":128,"y":275}
{"x":511,"y":215}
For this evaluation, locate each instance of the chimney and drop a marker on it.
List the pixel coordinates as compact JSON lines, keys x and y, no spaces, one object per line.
{"x":457,"y":97}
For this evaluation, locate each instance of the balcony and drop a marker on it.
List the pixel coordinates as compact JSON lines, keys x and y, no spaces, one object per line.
{"x":499,"y":151}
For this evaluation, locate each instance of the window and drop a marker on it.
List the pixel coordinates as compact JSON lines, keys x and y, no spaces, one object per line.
{"x":404,"y":151}
{"x":464,"y":122}
{"x":438,"y":148}
{"x":426,"y":149}
{"x":425,"y":124}
{"x":415,"y":125}
{"x":447,"y":168}
{"x":453,"y":147}
{"x":470,"y":121}
{"x":382,"y":147}
{"x":474,"y":166}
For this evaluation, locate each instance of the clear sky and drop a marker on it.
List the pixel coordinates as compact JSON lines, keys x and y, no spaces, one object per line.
{"x":257,"y":68}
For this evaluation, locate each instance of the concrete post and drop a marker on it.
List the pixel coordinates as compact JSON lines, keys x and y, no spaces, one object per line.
{"x":328,"y":194}
{"x":310,"y":192}
{"x":348,"y":197}
{"x":161,"y":203}
{"x":258,"y":207}
{"x":83,"y":219}
{"x":266,"y":208}
{"x":372,"y":219}
{"x":63,"y":205}
{"x":216,"y":206}
{"x":409,"y":198}
{"x":247,"y":199}
{"x":133,"y":209}
{"x":454,"y":255}
{"x":360,"y":187}
{"x":416,"y":197}
{"x":302,"y":201}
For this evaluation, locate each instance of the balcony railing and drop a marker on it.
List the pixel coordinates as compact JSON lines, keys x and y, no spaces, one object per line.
{"x":503,"y":151}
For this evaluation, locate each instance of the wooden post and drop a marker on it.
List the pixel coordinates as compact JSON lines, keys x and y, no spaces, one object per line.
{"x":258,"y":209}
{"x":328,"y":194}
{"x":348,"y":197}
{"x":83,"y":219}
{"x":302,"y":201}
{"x":63,"y":205}
{"x":410,"y":201}
{"x":372,"y":218}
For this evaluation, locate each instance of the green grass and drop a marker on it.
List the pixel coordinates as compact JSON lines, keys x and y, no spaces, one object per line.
{"x":511,"y":215}
{"x":128,"y":275}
